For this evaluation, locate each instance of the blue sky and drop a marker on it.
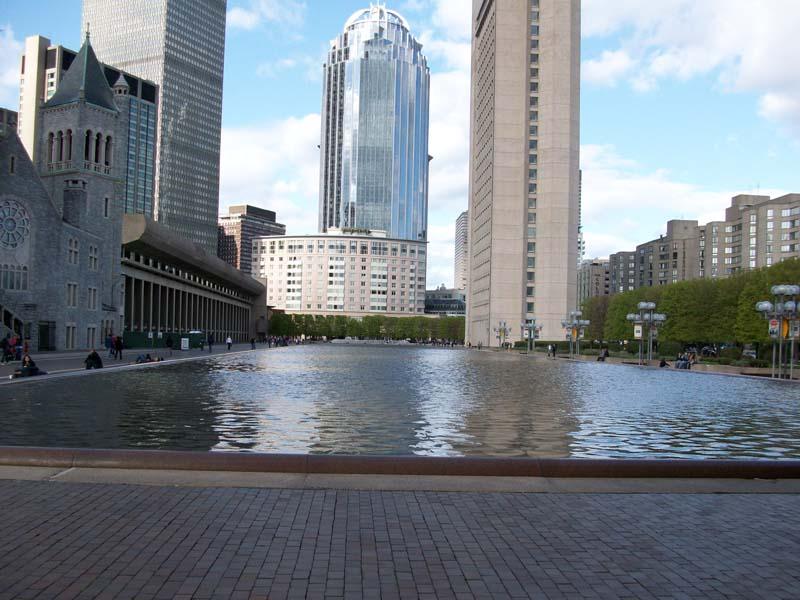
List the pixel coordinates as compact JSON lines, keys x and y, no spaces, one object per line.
{"x":684,"y":104}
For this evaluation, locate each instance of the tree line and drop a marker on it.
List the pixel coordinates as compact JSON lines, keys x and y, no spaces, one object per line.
{"x":700,"y":310}
{"x":369,"y":327}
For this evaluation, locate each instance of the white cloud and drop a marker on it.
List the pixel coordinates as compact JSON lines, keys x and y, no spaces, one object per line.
{"x":10,"y":52}
{"x":608,"y":69}
{"x":283,"y":12}
{"x":623,"y":205}
{"x":274,"y":166}
{"x":311,"y":67}
{"x":747,"y":47}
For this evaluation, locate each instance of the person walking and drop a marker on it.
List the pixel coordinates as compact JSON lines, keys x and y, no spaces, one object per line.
{"x":252,"y":343}
{"x":118,"y":347}
{"x":168,"y":343}
{"x":109,"y":344}
{"x":229,"y":341}
{"x":210,"y":343}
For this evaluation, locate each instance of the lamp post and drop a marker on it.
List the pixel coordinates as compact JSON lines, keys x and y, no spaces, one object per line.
{"x":646,"y":317}
{"x":530,"y":331}
{"x":784,"y":323}
{"x":576,"y":330}
{"x":501,"y":332}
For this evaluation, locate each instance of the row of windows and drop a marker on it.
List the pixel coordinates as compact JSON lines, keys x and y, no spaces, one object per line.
{"x":72,"y":297}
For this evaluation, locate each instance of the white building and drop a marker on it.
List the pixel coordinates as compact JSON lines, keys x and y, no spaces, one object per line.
{"x":342,"y":273}
{"x":460,"y":274}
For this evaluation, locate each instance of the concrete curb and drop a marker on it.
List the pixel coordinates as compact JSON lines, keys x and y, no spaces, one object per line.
{"x":398,"y":465}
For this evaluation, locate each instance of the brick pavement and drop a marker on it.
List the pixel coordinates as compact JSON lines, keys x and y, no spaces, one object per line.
{"x":66,"y":540}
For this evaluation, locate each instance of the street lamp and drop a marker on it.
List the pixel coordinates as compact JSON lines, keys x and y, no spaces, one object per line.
{"x":576,"y":328}
{"x":530,"y":330}
{"x":784,"y":322}
{"x":501,"y":332}
{"x":653,"y":320}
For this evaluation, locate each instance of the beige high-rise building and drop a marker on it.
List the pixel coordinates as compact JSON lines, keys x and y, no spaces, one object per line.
{"x":524,"y":167}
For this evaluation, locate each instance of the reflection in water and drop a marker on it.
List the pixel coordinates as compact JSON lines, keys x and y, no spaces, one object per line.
{"x":390,"y":400}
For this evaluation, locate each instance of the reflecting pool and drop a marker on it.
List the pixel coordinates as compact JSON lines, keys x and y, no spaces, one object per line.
{"x":404,"y":400}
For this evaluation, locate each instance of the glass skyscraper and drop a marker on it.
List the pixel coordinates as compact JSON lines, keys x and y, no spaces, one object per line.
{"x":375,"y":113}
{"x":180,"y":45}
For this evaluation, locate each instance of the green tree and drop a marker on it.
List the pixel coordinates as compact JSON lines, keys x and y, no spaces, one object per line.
{"x":595,"y":310}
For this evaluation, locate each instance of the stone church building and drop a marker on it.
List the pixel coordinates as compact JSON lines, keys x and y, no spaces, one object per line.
{"x":61,"y":215}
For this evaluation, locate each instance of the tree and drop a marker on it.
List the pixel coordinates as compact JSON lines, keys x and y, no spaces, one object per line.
{"x":595,"y":310}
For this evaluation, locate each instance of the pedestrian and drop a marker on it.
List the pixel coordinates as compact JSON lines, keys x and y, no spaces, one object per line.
{"x":210,"y":343}
{"x":109,"y":345}
{"x":229,"y":341}
{"x":93,"y":361}
{"x":169,"y":343}
{"x":252,"y":343}
{"x":118,"y":345}
{"x":5,"y":345}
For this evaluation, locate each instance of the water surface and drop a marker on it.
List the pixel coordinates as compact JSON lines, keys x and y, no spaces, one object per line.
{"x":408,"y":400}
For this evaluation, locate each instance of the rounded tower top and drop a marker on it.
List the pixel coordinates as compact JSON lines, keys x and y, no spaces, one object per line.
{"x":376,"y":13}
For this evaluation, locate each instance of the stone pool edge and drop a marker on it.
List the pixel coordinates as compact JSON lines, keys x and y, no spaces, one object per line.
{"x":68,"y":458}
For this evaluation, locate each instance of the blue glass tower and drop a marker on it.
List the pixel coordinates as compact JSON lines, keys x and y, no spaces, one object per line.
{"x":375,"y":117}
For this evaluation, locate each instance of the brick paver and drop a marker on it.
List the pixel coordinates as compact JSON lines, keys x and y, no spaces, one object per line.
{"x":60,"y":541}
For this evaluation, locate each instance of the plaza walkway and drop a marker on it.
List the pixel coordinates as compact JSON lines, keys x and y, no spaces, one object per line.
{"x":63,"y":539}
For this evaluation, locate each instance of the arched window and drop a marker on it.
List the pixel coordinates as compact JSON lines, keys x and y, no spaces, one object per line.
{"x":69,"y":145}
{"x":87,"y":146}
{"x":60,"y":146}
{"x":50,"y":145}
{"x":108,"y":151}
{"x":98,"y":146}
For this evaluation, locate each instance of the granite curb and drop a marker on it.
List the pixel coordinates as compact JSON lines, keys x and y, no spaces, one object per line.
{"x":399,"y":465}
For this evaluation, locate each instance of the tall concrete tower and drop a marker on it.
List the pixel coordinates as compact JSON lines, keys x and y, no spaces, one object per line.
{"x":374,"y":146}
{"x":524,"y":165}
{"x":179,"y":45}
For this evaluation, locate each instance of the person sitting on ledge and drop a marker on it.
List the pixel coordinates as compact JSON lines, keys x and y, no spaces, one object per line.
{"x":27,"y":369}
{"x":663,"y":364}
{"x":93,"y":361}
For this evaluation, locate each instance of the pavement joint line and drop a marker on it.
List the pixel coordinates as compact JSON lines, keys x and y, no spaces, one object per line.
{"x":55,"y":476}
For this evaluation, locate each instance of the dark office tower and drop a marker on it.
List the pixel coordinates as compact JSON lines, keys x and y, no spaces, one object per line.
{"x":179,"y":45}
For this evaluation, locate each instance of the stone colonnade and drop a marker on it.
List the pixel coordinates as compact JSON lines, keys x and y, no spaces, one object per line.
{"x":160,"y":304}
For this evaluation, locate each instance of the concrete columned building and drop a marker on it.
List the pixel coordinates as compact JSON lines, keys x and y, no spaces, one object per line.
{"x":179,"y":45}
{"x":374,"y":144}
{"x":524,"y":166}
{"x":461,"y":251}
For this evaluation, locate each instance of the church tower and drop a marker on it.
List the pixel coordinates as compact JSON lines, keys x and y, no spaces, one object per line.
{"x":81,"y":163}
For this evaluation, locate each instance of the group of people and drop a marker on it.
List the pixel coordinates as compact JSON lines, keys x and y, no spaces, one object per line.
{"x":12,"y":347}
{"x":114,"y":346}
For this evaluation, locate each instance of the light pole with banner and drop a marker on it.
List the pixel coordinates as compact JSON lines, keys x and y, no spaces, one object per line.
{"x":501,"y":332}
{"x":576,"y":331}
{"x":530,"y":331}
{"x":646,"y":317}
{"x":784,"y":324}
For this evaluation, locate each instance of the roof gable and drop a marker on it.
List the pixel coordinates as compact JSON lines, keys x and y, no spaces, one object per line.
{"x":84,"y":81}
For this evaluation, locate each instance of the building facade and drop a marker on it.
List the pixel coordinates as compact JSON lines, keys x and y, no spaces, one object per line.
{"x":239,"y":228}
{"x":172,"y":287}
{"x":180,"y":45}
{"x":461,"y":251}
{"x":375,"y":118}
{"x":43,"y":67}
{"x":594,"y":279}
{"x":622,"y":272}
{"x":670,"y":258}
{"x":446,"y":302}
{"x":60,"y":286}
{"x":524,"y":175}
{"x":340,"y":273}
{"x":758,"y":231}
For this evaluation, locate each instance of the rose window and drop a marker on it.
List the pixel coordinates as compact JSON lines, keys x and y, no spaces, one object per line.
{"x":14,"y":224}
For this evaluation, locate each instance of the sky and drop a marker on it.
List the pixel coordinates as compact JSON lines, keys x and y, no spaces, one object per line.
{"x":684,"y":104}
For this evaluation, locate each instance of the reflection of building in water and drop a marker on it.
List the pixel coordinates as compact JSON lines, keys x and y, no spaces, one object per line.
{"x":518,"y":411}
